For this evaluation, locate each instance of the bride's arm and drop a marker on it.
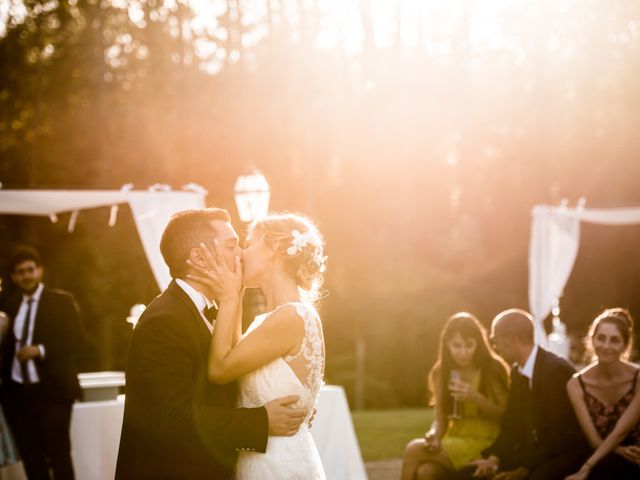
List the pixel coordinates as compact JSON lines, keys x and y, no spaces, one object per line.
{"x":237,"y":331}
{"x":277,"y":336}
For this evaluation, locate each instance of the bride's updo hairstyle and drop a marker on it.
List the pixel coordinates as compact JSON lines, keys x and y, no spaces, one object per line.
{"x":299,"y":244}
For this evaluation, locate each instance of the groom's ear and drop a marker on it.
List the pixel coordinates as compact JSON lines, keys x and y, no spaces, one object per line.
{"x":197,"y":257}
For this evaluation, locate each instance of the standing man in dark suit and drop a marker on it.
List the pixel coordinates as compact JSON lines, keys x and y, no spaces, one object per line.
{"x":178,"y":425}
{"x":539,"y":438}
{"x":39,"y":370}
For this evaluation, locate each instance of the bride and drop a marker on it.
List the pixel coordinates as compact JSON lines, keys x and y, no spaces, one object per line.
{"x":282,"y":352}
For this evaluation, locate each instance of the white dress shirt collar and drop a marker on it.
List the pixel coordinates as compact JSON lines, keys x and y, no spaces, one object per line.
{"x":527,"y":368}
{"x":36,"y":295}
{"x":199,"y":300}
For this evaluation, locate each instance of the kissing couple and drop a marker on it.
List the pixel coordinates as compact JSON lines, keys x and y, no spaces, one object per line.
{"x":205,"y":401}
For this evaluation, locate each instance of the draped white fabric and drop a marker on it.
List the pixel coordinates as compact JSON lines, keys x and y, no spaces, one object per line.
{"x":555,"y":236}
{"x":151,"y":211}
{"x":555,"y":239}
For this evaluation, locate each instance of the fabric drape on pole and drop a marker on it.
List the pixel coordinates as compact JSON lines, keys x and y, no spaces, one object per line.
{"x":151,"y":212}
{"x":553,"y":248}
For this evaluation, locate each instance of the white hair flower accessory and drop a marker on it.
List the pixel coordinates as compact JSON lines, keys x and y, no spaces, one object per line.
{"x":300,"y":241}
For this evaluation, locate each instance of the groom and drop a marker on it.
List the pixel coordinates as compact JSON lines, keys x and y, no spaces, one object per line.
{"x":176,"y":424}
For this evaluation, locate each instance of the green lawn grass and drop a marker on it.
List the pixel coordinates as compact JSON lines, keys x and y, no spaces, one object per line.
{"x":382,"y":434}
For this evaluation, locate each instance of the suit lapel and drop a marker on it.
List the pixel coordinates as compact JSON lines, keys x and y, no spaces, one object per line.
{"x":537,"y":388}
{"x":538,"y":369}
{"x":40,"y":309}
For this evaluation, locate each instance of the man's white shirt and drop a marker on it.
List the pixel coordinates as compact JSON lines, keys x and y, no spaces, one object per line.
{"x":199,"y":300}
{"x":18,"y":326}
{"x":527,"y":368}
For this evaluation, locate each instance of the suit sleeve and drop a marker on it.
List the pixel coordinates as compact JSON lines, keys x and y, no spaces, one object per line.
{"x":559,"y":428}
{"x":507,"y":437}
{"x":163,"y":358}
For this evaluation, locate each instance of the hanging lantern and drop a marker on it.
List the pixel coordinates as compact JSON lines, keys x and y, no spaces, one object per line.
{"x":252,"y":196}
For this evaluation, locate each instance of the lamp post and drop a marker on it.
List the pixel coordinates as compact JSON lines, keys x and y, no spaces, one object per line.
{"x":252,"y":196}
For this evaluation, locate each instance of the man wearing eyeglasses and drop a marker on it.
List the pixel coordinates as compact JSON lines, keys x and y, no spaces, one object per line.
{"x":539,"y":437}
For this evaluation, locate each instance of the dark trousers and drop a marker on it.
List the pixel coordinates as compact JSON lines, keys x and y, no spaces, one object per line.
{"x":615,"y":466}
{"x":41,"y":430}
{"x":555,"y":469}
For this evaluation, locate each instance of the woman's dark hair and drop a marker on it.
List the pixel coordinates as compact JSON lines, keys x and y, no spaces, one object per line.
{"x":493,"y":370}
{"x":620,"y":318}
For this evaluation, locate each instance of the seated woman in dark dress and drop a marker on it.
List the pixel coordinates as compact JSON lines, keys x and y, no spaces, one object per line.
{"x":606,"y":398}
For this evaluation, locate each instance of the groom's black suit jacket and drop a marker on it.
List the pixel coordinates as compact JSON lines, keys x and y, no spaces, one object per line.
{"x":556,"y":429}
{"x":177,"y":425}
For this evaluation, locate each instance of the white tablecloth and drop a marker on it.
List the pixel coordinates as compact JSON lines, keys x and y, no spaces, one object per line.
{"x":335,"y":436}
{"x":95,"y":434}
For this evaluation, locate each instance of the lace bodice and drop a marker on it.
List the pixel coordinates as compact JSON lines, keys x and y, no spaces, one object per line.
{"x":278,"y":378}
{"x":311,"y":348}
{"x":295,"y":457}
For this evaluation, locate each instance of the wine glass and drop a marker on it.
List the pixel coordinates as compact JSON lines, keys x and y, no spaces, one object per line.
{"x":4,"y":325}
{"x":454,"y":376}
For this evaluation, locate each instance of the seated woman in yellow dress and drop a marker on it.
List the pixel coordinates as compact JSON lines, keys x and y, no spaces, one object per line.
{"x":469,"y":384}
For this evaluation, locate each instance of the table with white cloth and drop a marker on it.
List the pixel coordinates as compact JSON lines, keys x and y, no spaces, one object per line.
{"x":95,"y":435}
{"x":335,"y":436}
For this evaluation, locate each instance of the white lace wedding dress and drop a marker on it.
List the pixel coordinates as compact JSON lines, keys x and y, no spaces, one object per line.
{"x":295,"y":457}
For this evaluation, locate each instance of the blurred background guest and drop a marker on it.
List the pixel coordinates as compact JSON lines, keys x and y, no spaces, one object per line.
{"x":469,"y":385}
{"x":39,"y":371}
{"x":8,"y":454}
{"x":606,"y":399}
{"x":577,"y":352}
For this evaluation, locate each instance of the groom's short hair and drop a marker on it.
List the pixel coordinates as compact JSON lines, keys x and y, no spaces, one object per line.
{"x":186,"y":230}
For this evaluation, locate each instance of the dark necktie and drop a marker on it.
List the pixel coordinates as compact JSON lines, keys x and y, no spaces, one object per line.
{"x":210,"y":313}
{"x":23,"y":341}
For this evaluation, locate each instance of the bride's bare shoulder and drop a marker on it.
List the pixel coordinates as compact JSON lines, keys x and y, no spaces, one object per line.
{"x":286,"y":316}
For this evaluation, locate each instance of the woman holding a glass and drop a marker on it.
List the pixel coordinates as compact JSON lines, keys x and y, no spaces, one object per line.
{"x":469,"y":384}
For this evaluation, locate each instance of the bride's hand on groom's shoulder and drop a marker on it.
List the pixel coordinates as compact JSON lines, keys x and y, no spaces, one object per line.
{"x":224,"y":281}
{"x":284,"y":418}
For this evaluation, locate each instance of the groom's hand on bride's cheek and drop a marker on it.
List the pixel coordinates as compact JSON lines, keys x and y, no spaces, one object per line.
{"x":213,"y":271}
{"x":284,"y":418}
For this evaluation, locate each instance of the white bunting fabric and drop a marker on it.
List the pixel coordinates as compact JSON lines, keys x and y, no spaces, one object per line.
{"x":151,"y":212}
{"x":555,"y":239}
